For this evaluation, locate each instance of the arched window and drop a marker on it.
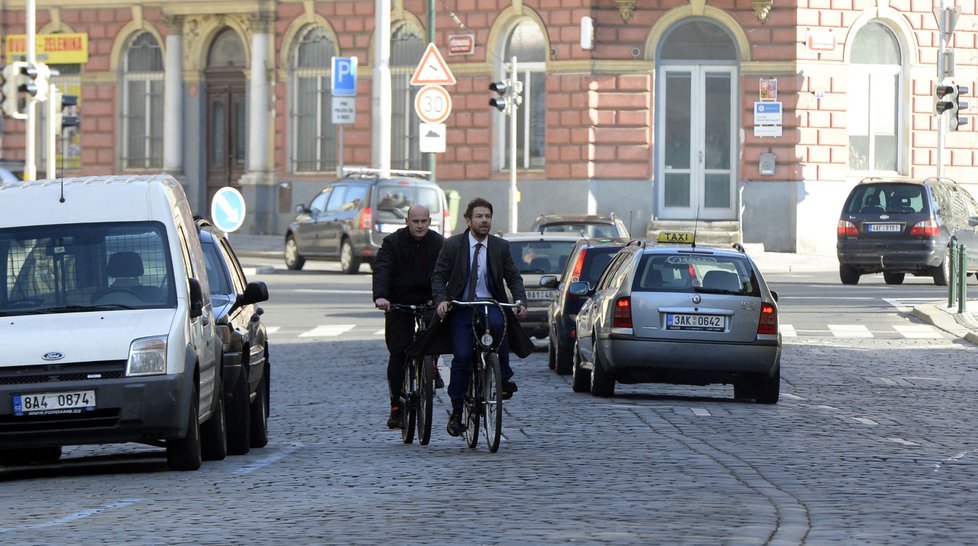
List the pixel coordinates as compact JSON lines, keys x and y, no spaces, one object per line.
{"x":313,"y":132}
{"x":875,"y":80}
{"x":526,"y":42}
{"x":407,"y":46}
{"x":142,"y":104}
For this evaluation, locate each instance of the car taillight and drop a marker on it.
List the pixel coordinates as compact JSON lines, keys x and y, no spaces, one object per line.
{"x":623,"y":313}
{"x":573,"y":333}
{"x":768,"y":324}
{"x":578,"y":266}
{"x":926,"y":228}
{"x":846,"y":229}
{"x":366,"y":220}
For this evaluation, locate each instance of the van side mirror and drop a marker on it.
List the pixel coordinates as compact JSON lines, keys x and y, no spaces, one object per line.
{"x":196,"y":298}
{"x":549,"y":281}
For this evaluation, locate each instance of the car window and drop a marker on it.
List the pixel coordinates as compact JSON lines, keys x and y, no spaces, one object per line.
{"x":346,"y":198}
{"x":614,"y":270}
{"x":595,"y":231}
{"x":431,"y":198}
{"x":963,"y":203}
{"x":319,"y":202}
{"x":237,"y":274}
{"x":543,"y":257}
{"x":216,"y":276}
{"x":596,"y":261}
{"x":686,"y":272}
{"x":890,"y":198}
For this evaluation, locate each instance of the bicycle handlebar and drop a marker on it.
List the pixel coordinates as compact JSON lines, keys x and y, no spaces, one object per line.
{"x":412,"y":307}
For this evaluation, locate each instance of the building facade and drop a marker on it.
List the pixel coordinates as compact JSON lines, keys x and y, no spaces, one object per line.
{"x":748,"y":119}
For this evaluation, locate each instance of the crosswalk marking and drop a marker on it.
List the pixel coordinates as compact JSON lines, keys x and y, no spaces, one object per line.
{"x":788,"y":330}
{"x":328,"y":330}
{"x":918,"y":331}
{"x":272,"y":329}
{"x":850,"y":330}
{"x":909,"y":331}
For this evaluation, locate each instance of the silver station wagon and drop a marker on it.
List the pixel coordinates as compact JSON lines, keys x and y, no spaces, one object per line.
{"x":672,"y":312}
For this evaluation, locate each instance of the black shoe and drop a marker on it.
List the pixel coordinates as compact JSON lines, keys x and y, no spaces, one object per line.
{"x":439,"y":382}
{"x":395,"y":420}
{"x":509,"y":388}
{"x":455,"y":426}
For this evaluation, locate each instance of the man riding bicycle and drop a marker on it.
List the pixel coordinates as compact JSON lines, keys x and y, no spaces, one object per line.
{"x":402,"y":275}
{"x":493,"y":265}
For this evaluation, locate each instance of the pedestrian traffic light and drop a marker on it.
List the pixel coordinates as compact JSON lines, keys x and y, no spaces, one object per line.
{"x":956,"y":119}
{"x":509,"y":97}
{"x":39,"y":77}
{"x":942,"y":99}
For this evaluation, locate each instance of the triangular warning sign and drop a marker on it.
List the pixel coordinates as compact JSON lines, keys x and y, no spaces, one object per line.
{"x":432,"y":70}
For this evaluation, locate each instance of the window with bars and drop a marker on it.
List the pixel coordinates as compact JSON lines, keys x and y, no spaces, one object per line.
{"x":875,"y":99}
{"x":313,"y":132}
{"x":142,"y":104}
{"x":407,"y":46}
{"x":67,"y":146}
{"x":525,"y":42}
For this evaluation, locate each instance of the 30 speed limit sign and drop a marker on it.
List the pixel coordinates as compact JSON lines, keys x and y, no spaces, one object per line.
{"x":433,"y":104}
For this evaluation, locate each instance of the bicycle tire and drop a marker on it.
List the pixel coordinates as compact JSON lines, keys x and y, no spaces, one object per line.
{"x":426,"y":394}
{"x":492,"y":413}
{"x":409,"y":410}
{"x":473,"y":404}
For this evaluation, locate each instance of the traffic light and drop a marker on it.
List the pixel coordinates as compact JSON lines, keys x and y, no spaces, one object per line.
{"x":509,"y":97}
{"x":956,"y":119}
{"x":69,"y":117}
{"x":38,"y":78}
{"x":13,"y":78}
{"x":942,"y":99}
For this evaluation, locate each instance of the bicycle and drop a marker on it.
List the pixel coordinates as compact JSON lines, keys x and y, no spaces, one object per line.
{"x":418,"y":386}
{"x":483,"y":398}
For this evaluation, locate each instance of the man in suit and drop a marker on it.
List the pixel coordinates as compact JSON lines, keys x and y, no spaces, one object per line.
{"x":454,"y":279}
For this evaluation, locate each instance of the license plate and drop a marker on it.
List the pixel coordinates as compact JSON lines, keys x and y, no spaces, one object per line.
{"x":540,"y":294}
{"x":884,"y":228}
{"x":389,"y":228}
{"x":54,"y":402}
{"x":709,"y":323}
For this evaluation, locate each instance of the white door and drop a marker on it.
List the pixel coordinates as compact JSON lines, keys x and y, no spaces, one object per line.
{"x":696,"y":137}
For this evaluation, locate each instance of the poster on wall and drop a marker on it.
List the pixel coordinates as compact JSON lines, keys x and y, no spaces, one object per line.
{"x":768,"y":89}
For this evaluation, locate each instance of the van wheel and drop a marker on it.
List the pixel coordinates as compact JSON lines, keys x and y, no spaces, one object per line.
{"x":259,"y":411}
{"x":293,"y":260}
{"x":214,"y":433}
{"x":893,"y":278}
{"x":848,"y":275}
{"x":239,"y":415}
{"x":942,"y":273}
{"x":184,"y":454}
{"x":349,"y":262}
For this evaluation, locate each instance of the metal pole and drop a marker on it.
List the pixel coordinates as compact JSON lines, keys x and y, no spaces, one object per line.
{"x":962,"y":278}
{"x":431,"y":159}
{"x":952,"y":258}
{"x":941,"y":30}
{"x":512,"y":147}
{"x":54,"y":102}
{"x":381,"y":112}
{"x":30,"y":160}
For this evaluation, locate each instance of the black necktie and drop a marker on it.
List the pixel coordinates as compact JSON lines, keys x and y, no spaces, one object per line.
{"x":474,"y":273}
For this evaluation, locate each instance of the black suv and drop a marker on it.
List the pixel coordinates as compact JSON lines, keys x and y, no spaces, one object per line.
{"x":898,"y":227}
{"x":348,"y":219}
{"x":586,"y":262}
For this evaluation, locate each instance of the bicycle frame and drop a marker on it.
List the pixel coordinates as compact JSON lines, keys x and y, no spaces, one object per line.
{"x":417,"y":387}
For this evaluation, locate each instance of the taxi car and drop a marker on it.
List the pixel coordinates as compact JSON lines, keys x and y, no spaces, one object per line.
{"x":538,"y":255}
{"x":677,"y":313}
{"x":244,"y":341}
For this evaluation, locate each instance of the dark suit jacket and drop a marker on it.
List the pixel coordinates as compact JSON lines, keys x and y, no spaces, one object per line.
{"x":450,"y":281}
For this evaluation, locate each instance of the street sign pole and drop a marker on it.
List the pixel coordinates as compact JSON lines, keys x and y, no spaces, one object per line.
{"x":942,"y":37}
{"x":513,"y":113}
{"x":431,"y":159}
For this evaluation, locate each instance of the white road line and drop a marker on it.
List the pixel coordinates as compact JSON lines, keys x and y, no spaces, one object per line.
{"x":793,"y":397}
{"x":901,"y":441}
{"x":865,"y":420}
{"x":261,"y":463}
{"x":379,"y":332}
{"x":272,"y":329}
{"x":328,"y":330}
{"x":788,"y":330}
{"x":850,"y":330}
{"x":701,"y":412}
{"x":918,"y":331}
{"x":75,"y":516}
{"x":331,"y":291}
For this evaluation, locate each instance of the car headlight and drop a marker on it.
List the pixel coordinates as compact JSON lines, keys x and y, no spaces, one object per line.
{"x":147,"y":356}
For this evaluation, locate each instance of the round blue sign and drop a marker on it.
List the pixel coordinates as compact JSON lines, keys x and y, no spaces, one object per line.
{"x":228,"y":209}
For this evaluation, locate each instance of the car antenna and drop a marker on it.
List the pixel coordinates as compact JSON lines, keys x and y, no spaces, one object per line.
{"x":696,"y":224}
{"x":62,"y":176}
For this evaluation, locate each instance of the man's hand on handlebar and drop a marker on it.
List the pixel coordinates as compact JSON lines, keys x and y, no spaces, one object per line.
{"x":520,"y":310}
{"x":443,"y":309}
{"x":383,"y":304}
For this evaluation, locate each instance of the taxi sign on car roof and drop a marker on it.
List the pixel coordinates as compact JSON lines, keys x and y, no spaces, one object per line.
{"x":680,"y":237}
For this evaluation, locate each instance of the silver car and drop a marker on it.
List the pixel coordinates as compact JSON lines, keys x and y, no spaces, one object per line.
{"x":678,"y":313}
{"x":536,"y":255}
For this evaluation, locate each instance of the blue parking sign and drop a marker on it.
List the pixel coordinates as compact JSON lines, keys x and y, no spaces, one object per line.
{"x":344,"y":76}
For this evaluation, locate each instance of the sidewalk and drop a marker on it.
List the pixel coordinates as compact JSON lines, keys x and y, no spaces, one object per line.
{"x":962,"y":325}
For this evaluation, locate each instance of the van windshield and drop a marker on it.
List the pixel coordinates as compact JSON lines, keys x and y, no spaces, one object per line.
{"x":85,"y":267}
{"x":894,"y":198}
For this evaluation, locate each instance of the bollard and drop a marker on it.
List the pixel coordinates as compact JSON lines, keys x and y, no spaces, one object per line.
{"x":962,"y":278}
{"x":952,"y":260}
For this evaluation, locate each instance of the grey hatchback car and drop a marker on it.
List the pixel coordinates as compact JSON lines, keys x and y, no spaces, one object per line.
{"x":896,"y":227}
{"x":677,"y":313}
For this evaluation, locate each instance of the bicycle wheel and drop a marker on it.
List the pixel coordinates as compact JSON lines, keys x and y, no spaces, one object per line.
{"x":492,"y":414}
{"x":473,"y":403}
{"x":409,"y":408}
{"x":426,"y":392}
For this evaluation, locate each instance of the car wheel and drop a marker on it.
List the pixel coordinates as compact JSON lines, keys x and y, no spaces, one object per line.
{"x":848,"y":275}
{"x":184,"y":454}
{"x":582,"y":377}
{"x":564,"y":359}
{"x":239,"y":415}
{"x":602,"y":384}
{"x":349,"y":262}
{"x":214,"y":433}
{"x":893,"y":278}
{"x":259,"y":410}
{"x":767,"y":390}
{"x":743,"y":390}
{"x":293,"y":260}
{"x":942,"y":273}
{"x":551,"y":354}
{"x":30,"y":455}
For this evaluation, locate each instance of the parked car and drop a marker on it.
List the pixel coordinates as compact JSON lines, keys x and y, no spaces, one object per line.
{"x":898,"y":227}
{"x":349,"y":218}
{"x":604,"y":226}
{"x":538,"y":255}
{"x":683,"y":314}
{"x":587,"y":262}
{"x":244,"y":341}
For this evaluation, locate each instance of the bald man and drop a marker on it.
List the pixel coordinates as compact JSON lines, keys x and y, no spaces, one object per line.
{"x":402,"y":275}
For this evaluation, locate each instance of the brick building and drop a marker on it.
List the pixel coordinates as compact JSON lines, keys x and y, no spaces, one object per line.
{"x":666,"y":117}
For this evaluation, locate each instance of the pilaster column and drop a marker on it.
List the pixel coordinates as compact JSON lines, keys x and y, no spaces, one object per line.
{"x":259,"y":87}
{"x":173,"y":96}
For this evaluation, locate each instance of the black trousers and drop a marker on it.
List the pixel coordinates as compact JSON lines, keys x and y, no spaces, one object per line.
{"x":398,"y":333}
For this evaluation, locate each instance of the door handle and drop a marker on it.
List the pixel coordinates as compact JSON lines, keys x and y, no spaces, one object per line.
{"x":701,"y":156}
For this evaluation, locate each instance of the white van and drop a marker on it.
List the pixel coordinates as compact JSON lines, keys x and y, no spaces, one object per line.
{"x":108,"y":333}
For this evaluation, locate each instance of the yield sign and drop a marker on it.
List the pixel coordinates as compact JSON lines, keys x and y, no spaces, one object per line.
{"x":432,"y":70}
